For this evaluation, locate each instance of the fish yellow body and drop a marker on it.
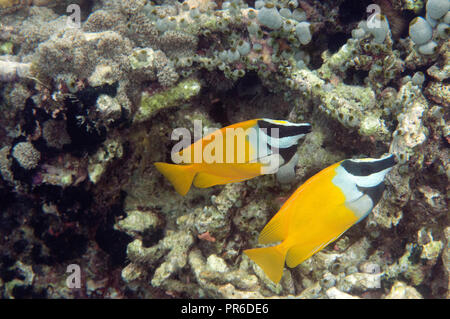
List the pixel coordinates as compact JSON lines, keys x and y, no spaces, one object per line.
{"x":236,"y":153}
{"x":8,"y":3}
{"x":319,"y":211}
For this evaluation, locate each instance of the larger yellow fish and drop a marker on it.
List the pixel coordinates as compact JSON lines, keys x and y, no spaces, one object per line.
{"x":236,"y":153}
{"x":320,"y":211}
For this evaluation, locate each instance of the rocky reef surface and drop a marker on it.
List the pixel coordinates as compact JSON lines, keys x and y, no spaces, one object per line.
{"x":87,"y":109}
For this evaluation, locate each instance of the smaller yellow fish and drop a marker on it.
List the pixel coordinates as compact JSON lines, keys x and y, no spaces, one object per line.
{"x":237,"y":153}
{"x":8,"y":3}
{"x":320,"y":211}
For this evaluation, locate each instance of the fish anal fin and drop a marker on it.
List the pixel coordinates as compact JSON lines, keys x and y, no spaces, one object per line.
{"x":321,"y":234}
{"x":275,"y":230}
{"x":204,"y":180}
{"x":180,"y":176}
{"x":220,"y":174}
{"x":270,"y":259}
{"x":299,"y":253}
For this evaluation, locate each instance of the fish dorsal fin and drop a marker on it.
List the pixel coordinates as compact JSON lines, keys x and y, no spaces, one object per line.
{"x":275,"y":230}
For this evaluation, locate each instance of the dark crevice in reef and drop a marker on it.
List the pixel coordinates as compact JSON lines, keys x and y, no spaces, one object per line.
{"x":251,"y":3}
{"x":336,"y":41}
{"x":322,"y":42}
{"x":29,"y":292}
{"x":407,"y":16}
{"x":66,"y":236}
{"x":38,"y":257}
{"x":112,"y":241}
{"x":63,"y":233}
{"x":66,"y":246}
{"x":7,"y":224}
{"x":85,"y":134}
{"x":76,"y":202}
{"x":7,"y":274}
{"x":88,"y":96}
{"x":411,"y":73}
{"x":246,"y":89}
{"x":218,"y":113}
{"x":21,"y":174}
{"x":32,"y":115}
{"x":350,"y":142}
{"x":353,"y":11}
{"x":63,"y":239}
{"x":7,"y":198}
{"x":86,"y":7}
{"x":152,"y":236}
{"x":355,"y":77}
{"x":19,"y":246}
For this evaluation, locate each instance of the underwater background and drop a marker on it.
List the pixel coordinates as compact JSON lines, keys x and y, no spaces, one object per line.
{"x":90,"y":92}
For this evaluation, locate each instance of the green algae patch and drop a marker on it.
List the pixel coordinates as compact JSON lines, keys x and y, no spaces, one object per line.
{"x":142,"y":58}
{"x":175,"y":96}
{"x":337,"y":61}
{"x":414,"y":5}
{"x":6,"y":48}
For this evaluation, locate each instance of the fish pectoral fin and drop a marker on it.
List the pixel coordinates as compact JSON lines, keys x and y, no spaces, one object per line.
{"x":275,"y":230}
{"x":361,"y":207}
{"x":180,"y":176}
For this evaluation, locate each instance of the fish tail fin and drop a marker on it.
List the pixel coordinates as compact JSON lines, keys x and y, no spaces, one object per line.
{"x":270,"y":259}
{"x":181,"y":176}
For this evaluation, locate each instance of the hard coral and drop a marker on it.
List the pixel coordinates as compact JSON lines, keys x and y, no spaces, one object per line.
{"x":26,"y":155}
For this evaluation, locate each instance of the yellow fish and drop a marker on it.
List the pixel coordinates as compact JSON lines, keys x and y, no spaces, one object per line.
{"x":236,"y":153}
{"x":8,"y":3}
{"x":320,"y":211}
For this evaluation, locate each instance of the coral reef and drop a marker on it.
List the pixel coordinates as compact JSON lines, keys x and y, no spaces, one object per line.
{"x":11,"y":71}
{"x":87,"y":111}
{"x":26,"y":155}
{"x":175,"y":96}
